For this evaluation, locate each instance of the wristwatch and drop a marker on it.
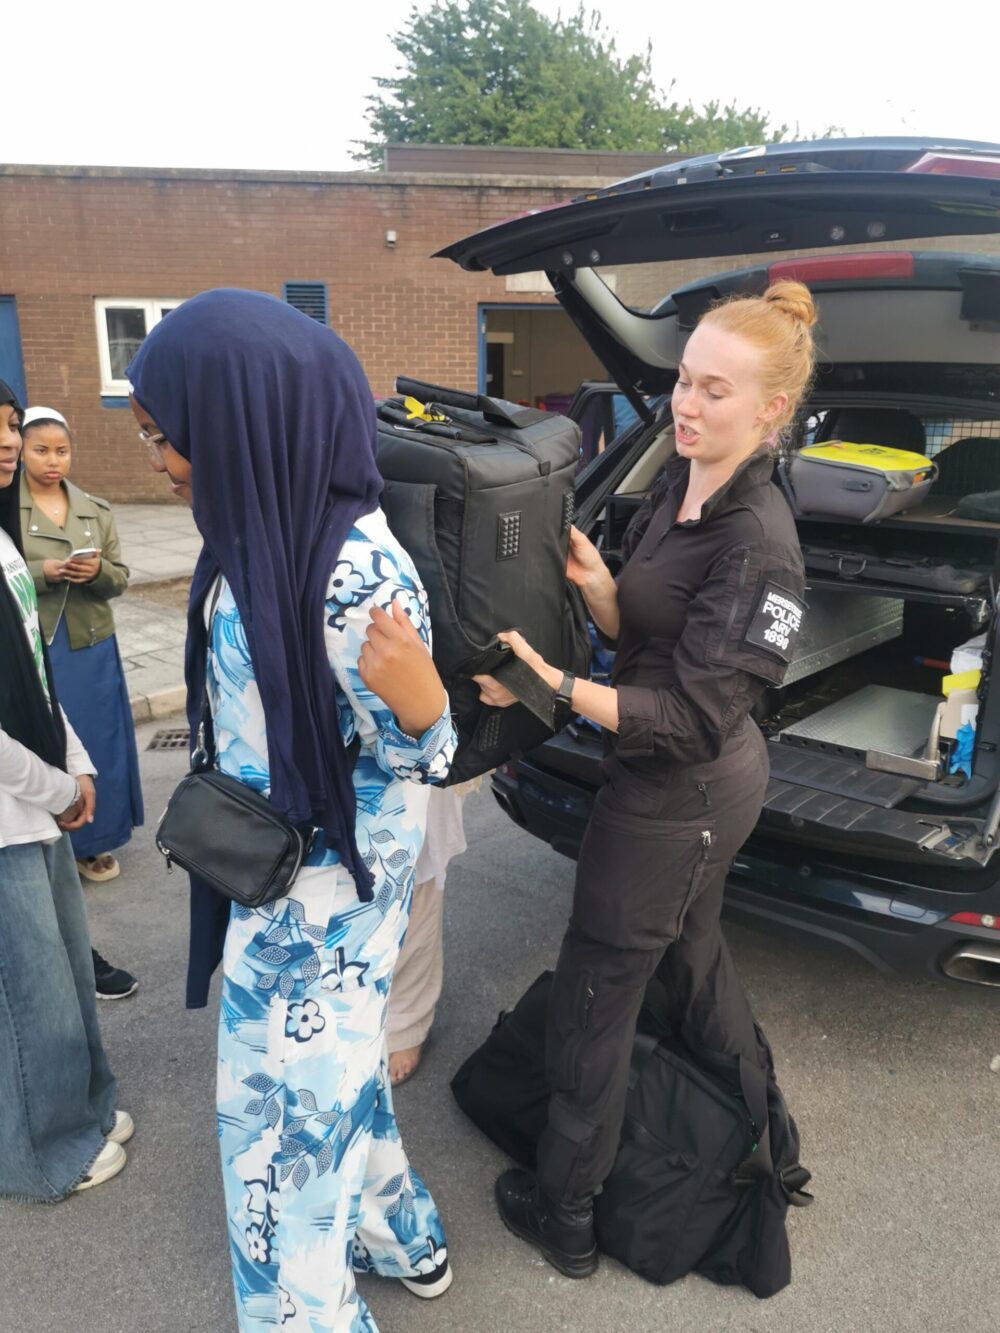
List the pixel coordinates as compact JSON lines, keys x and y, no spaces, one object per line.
{"x":562,"y":706}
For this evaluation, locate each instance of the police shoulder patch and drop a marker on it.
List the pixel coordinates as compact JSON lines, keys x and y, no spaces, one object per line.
{"x":777,"y":621}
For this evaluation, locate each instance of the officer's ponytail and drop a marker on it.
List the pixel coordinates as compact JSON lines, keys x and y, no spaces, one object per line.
{"x":780,"y":324}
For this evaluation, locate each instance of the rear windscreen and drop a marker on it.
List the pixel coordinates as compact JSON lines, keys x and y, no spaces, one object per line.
{"x":642,"y":288}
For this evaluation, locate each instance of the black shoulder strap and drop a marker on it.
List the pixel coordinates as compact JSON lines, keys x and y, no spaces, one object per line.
{"x":497,"y":410}
{"x":642,"y":1052}
{"x":760,"y":1162}
{"x":753,"y":1082}
{"x":203,"y":754}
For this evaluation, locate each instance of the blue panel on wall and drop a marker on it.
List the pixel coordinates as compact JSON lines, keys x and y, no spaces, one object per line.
{"x":11,"y":358}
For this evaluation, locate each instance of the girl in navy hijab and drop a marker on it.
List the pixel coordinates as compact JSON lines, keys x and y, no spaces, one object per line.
{"x":263,"y":421}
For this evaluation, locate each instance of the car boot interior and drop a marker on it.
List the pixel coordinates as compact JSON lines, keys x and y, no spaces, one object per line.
{"x":864,"y":746}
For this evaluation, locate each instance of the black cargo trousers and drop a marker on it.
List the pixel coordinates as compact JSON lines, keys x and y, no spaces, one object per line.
{"x":648,"y":896}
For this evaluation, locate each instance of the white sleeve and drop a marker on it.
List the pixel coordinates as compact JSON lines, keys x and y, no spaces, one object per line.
{"x":30,"y":779}
{"x":77,"y":759}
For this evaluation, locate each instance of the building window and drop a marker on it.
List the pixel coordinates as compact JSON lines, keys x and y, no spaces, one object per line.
{"x":309,"y":297}
{"x":122,"y":324}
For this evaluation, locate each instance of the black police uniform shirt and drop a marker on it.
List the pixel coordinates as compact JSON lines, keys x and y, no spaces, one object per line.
{"x":711,"y":612}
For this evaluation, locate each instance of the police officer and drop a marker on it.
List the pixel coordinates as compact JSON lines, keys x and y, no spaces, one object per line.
{"x":704,"y":617}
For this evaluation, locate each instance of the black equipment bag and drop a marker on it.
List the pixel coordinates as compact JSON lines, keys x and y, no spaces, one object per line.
{"x":914,"y":571}
{"x":694,"y":1186}
{"x":480,"y":493}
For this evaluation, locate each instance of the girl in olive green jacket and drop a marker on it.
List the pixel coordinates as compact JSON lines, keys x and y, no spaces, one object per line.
{"x":72,"y":552}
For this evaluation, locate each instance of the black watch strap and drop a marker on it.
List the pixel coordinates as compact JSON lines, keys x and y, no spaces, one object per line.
{"x":563,"y":705}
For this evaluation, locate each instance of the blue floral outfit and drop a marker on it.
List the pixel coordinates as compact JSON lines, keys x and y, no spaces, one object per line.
{"x":316,"y":1180}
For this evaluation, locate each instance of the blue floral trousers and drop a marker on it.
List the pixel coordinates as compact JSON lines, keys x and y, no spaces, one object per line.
{"x":316,"y":1181}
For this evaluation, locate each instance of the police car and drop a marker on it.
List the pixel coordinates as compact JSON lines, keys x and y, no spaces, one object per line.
{"x":879,"y":834}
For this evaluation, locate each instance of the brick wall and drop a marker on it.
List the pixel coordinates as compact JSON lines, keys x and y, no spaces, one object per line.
{"x":68,"y":236}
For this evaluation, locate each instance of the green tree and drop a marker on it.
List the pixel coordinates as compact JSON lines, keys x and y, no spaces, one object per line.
{"x":499,"y":72}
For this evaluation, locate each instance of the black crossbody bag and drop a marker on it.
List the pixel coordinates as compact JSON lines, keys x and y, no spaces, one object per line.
{"x":224,"y":832}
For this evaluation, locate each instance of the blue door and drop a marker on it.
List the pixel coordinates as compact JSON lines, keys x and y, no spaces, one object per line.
{"x":11,"y":361}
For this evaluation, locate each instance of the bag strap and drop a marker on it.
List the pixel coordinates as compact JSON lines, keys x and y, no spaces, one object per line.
{"x":760,"y":1162}
{"x":203,"y":755}
{"x":497,"y":410}
{"x":753,"y":1083}
{"x":527,"y":687}
{"x":394,"y":413}
{"x":642,"y":1052}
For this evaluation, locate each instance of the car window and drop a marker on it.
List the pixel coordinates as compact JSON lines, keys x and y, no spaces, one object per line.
{"x":942,"y":432}
{"x":643,"y":288}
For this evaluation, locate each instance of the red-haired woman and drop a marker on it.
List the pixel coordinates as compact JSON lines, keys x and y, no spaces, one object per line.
{"x":704,"y":617}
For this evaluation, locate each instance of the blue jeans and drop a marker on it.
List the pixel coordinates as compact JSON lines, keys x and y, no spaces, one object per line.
{"x":58,"y":1093}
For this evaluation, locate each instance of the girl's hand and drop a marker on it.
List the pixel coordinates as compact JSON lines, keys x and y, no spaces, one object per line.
{"x":82,"y":571}
{"x":54,"y":571}
{"x":584,"y":565}
{"x":498,"y":696}
{"x":395,"y":665}
{"x":83,"y":812}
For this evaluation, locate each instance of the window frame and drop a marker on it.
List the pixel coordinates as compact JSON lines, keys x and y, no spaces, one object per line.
{"x":153,"y":307}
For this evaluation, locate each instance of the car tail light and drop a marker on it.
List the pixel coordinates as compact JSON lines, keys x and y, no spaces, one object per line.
{"x":966,"y":164}
{"x":976,"y":919}
{"x":844,"y":268}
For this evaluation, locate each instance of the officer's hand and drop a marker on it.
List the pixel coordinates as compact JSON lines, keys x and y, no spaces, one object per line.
{"x":584,"y":565}
{"x":498,"y":696}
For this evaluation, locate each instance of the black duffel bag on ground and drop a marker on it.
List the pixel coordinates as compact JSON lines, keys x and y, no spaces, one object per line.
{"x":479,"y":491}
{"x":691,"y":1190}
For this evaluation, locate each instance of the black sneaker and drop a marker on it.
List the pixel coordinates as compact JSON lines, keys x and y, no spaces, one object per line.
{"x":563,"y":1236}
{"x":113,"y":983}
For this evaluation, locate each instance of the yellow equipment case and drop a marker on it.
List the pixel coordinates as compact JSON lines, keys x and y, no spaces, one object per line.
{"x":861,"y":482}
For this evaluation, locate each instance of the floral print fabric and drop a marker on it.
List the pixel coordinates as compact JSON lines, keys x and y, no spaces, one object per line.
{"x":316,"y":1180}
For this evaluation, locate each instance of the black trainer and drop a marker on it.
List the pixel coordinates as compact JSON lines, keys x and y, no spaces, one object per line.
{"x":113,"y":983}
{"x":563,"y":1236}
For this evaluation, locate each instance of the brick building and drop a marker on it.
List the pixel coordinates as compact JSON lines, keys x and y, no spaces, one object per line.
{"x":91,"y":257}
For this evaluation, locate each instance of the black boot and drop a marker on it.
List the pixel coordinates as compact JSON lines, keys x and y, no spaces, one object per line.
{"x":564,"y":1236}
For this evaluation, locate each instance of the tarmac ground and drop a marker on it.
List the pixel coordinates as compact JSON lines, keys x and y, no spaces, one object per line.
{"x":889,"y":1078}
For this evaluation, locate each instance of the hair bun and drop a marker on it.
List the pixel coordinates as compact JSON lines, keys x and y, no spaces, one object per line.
{"x":793,"y":299}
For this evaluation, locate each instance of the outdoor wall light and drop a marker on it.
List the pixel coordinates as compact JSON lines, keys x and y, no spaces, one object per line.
{"x":390,"y":239}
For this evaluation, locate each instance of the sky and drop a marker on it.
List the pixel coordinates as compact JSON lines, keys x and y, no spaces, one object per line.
{"x":173,"y":83}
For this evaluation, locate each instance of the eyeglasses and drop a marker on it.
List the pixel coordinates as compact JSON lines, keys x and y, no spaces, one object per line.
{"x":154,"y":442}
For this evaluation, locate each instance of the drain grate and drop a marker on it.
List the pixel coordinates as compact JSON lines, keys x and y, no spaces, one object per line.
{"x":176,"y":738}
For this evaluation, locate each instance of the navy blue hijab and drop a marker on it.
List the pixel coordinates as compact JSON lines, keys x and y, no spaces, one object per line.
{"x":277,"y":420}
{"x":25,"y":712}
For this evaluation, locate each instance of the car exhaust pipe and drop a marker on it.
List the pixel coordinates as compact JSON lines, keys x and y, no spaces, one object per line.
{"x":975,"y":962}
{"x":510,"y":808}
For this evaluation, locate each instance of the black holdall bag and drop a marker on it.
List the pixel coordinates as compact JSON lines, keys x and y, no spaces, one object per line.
{"x":479,"y":491}
{"x":694,"y":1187}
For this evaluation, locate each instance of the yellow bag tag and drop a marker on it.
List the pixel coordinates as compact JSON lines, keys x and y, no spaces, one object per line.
{"x":417,"y":411}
